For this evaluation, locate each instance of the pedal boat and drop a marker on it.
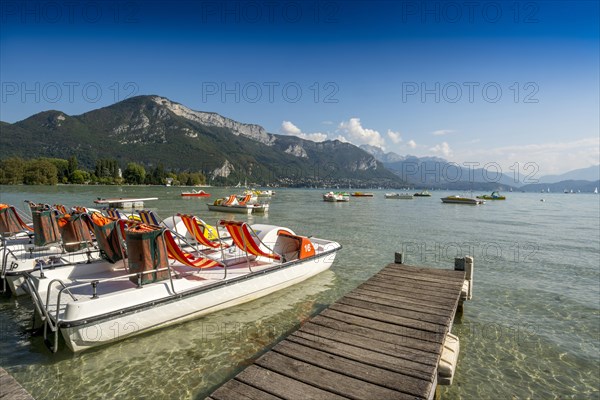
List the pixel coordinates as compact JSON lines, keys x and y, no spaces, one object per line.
{"x":99,"y":303}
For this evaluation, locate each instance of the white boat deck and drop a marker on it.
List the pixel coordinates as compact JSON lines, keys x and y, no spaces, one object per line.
{"x":116,"y":290}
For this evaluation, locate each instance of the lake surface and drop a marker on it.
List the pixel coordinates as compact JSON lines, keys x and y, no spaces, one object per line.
{"x":532,"y":329}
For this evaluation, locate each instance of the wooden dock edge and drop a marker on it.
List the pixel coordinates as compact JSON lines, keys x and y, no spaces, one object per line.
{"x":11,"y":389}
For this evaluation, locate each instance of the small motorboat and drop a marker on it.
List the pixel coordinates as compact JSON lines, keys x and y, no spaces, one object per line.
{"x":462,"y":200}
{"x":423,"y":193}
{"x":260,"y":193}
{"x":400,"y":196}
{"x":336,"y":197}
{"x":362,"y":194}
{"x":195,"y":193}
{"x":121,"y":202}
{"x":161,"y":284}
{"x":493,"y":196}
{"x":231,"y":204}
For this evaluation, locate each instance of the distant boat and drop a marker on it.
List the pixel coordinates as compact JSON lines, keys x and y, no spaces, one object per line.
{"x":400,"y":196}
{"x":336,"y":197}
{"x":596,"y":191}
{"x":194,"y":193}
{"x":493,"y":196}
{"x":462,"y":200}
{"x":423,"y":193}
{"x":362,"y":194}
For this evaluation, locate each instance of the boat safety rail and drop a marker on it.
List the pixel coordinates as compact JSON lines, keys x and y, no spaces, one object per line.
{"x":94,"y":284}
{"x":5,"y":254}
{"x":44,"y":311}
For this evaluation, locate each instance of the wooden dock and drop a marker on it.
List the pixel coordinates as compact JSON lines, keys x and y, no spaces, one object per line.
{"x":11,"y":389}
{"x":383,"y":340}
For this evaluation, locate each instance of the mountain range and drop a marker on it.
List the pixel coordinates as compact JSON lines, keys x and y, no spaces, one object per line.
{"x":435,"y":172}
{"x":153,"y":129}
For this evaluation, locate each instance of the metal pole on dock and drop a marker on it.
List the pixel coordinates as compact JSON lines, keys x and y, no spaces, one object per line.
{"x":398,"y":258}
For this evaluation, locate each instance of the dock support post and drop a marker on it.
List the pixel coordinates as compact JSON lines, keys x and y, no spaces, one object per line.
{"x":465,"y":264}
{"x":398,"y":258}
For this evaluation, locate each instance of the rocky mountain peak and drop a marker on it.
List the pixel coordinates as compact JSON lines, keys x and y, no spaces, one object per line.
{"x":251,"y":131}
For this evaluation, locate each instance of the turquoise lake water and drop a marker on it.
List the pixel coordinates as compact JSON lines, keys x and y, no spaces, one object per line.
{"x":532,"y":329}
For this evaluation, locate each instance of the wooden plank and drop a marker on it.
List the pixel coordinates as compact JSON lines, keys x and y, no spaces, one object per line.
{"x":415,"y":291}
{"x":423,"y":271}
{"x":235,"y":390}
{"x":282,"y":386}
{"x":438,"y":334}
{"x":430,"y":280}
{"x":370,"y":357}
{"x":11,"y":389}
{"x":417,"y":304}
{"x":316,"y":332}
{"x":408,"y":309}
{"x":403,"y":331}
{"x":391,"y":380}
{"x":438,"y":302}
{"x":445,"y":287}
{"x":324,"y":379}
{"x":397,"y":336}
{"x":420,"y":321}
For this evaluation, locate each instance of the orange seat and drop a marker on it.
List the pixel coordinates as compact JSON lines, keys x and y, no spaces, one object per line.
{"x":196,"y":228}
{"x":61,"y":209}
{"x":246,"y":239}
{"x":245,"y":200}
{"x":175,"y":252}
{"x":230,"y":201}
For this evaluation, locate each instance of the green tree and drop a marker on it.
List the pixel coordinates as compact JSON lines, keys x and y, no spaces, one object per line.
{"x":40,"y":172}
{"x":72,"y":166}
{"x":134,"y":173}
{"x":80,"y":176}
{"x":12,"y":171}
{"x":158,"y":175}
{"x":62,"y":168}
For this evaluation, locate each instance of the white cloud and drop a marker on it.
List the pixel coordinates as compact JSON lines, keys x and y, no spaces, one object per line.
{"x":443,"y":149}
{"x":442,"y":132}
{"x":394,"y":136}
{"x":357,"y":134}
{"x":341,"y":139}
{"x":288,"y":128}
{"x":411,"y":143}
{"x":535,"y":160}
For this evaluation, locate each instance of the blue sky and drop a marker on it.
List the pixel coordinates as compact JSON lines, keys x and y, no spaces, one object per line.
{"x":484,"y":81}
